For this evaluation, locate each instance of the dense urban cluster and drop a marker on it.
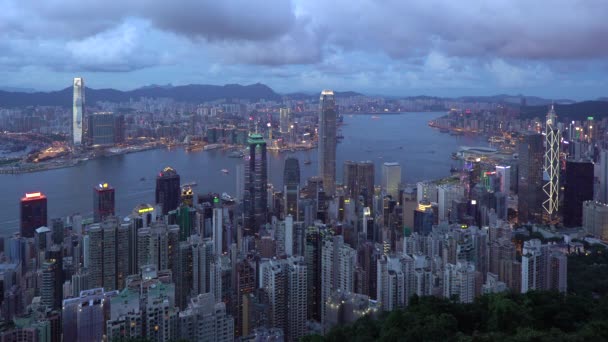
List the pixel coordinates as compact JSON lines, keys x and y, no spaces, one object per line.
{"x":280,"y":262}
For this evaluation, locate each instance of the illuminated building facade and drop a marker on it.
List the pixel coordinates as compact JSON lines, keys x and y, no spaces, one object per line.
{"x":327,"y":140}
{"x":168,"y":190}
{"x":101,"y":129}
{"x":529,"y":185}
{"x":551,"y":166}
{"x":78,"y":111}
{"x":33,"y":213}
{"x":291,"y":183}
{"x":103,"y":201}
{"x":359,"y":181}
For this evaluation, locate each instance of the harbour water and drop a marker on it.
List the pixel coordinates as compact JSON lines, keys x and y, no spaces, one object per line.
{"x":423,"y":152}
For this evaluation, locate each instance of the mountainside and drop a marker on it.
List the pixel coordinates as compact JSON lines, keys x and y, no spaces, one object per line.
{"x":188,"y":93}
{"x":574,"y":111}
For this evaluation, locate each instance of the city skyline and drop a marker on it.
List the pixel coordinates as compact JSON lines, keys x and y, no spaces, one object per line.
{"x":301,"y":46}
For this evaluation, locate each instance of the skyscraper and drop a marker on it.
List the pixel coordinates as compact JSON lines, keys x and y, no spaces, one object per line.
{"x":530,"y":178}
{"x":578,"y":189}
{"x":78,"y":111}
{"x":33,"y":213}
{"x":284,"y":120}
{"x":551,"y":166}
{"x":391,"y":178}
{"x":101,"y":129}
{"x":291,"y":183}
{"x":168,"y":190}
{"x":359,"y":180}
{"x":504,"y":172}
{"x":256,"y":181}
{"x":103,"y":201}
{"x":327,"y":140}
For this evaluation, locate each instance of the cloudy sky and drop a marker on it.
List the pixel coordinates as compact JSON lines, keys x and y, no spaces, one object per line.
{"x":553,"y":48}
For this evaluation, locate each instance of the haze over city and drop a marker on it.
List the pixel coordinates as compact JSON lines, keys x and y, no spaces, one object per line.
{"x":439,"y":48}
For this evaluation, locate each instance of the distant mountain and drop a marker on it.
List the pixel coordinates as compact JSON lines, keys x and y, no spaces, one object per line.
{"x":574,"y":111}
{"x":514,"y":99}
{"x":23,"y":90}
{"x":309,"y":96}
{"x":188,"y":93}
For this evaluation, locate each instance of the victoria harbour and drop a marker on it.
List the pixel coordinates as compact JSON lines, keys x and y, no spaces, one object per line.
{"x":423,"y":152}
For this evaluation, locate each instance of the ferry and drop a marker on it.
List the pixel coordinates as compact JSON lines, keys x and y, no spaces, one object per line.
{"x":211,"y":147}
{"x":236,"y":154}
{"x":225,"y":171}
{"x":227,"y":198}
{"x":496,"y":139}
{"x":307,"y":162}
{"x":375,"y":117}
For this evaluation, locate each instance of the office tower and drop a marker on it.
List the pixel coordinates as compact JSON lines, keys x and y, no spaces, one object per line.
{"x":78,"y":111}
{"x":284,"y":120}
{"x":187,"y":197}
{"x":206,"y":320}
{"x":103,"y":201}
{"x":595,"y":219}
{"x":426,"y":191}
{"x":289,"y":235}
{"x":256,"y":182}
{"x":504,"y":173}
{"x":446,"y":195}
{"x":218,"y":231}
{"x":57,"y":229}
{"x":424,"y":217}
{"x":551,"y":166}
{"x":240,"y":182}
{"x":529,"y":187}
{"x":51,"y":289}
{"x":107,"y":255}
{"x":202,"y":259}
{"x":359,"y":181}
{"x":291,"y":184}
{"x":327,"y":140}
{"x":84,"y":317}
{"x":100,"y":129}
{"x":33,"y":213}
{"x":391,"y":179}
{"x":338,"y":262}
{"x":245,"y":285}
{"x":313,"y":257}
{"x":459,"y":281}
{"x":578,"y":189}
{"x":168,"y":190}
{"x":119,"y":129}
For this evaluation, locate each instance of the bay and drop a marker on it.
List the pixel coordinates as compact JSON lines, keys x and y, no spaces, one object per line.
{"x":423,"y":152}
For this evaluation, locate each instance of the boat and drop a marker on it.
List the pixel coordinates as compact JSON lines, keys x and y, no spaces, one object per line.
{"x":236,"y":154}
{"x":307,"y":162}
{"x":211,"y":147}
{"x":454,"y":170}
{"x":227,"y":198}
{"x":375,"y":117}
{"x":142,"y":179}
{"x":225,"y":171}
{"x":496,"y":139}
{"x":191,"y":184}
{"x":444,"y":130}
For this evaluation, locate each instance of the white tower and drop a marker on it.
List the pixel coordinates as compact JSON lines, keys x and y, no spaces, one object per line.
{"x":78,"y":111}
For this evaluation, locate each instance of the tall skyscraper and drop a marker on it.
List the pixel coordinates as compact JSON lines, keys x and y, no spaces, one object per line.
{"x":103,"y":201}
{"x":530,"y":182}
{"x":168,"y":190}
{"x":33,"y":213}
{"x":391,"y":179}
{"x":291,"y":183}
{"x":359,"y":180}
{"x":284,"y":120}
{"x":504,"y":173}
{"x":256,"y":182}
{"x":551,"y":166}
{"x":327,"y":140}
{"x":107,"y":255}
{"x":578,"y":188}
{"x":78,"y":111}
{"x":595,"y":219}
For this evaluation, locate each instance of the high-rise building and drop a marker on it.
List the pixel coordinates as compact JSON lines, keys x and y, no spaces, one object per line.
{"x":551,"y":166}
{"x":33,"y":213}
{"x":459,"y":281}
{"x":103,"y":201}
{"x":107,"y":254}
{"x":359,"y":181}
{"x":256,"y":182}
{"x":78,"y":111}
{"x":530,"y":183}
{"x":504,"y":173}
{"x":284,"y":120}
{"x":542,"y":268}
{"x":291,"y":183}
{"x":84,"y":317}
{"x":327,"y":140}
{"x":168,"y":190}
{"x":100,"y":129}
{"x":578,"y":188}
{"x":446,"y":195}
{"x":595,"y":219}
{"x":313,"y":257}
{"x":206,"y":320}
{"x":391,"y":179}
{"x":602,"y":195}
{"x":51,"y":289}
{"x":338,"y":262}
